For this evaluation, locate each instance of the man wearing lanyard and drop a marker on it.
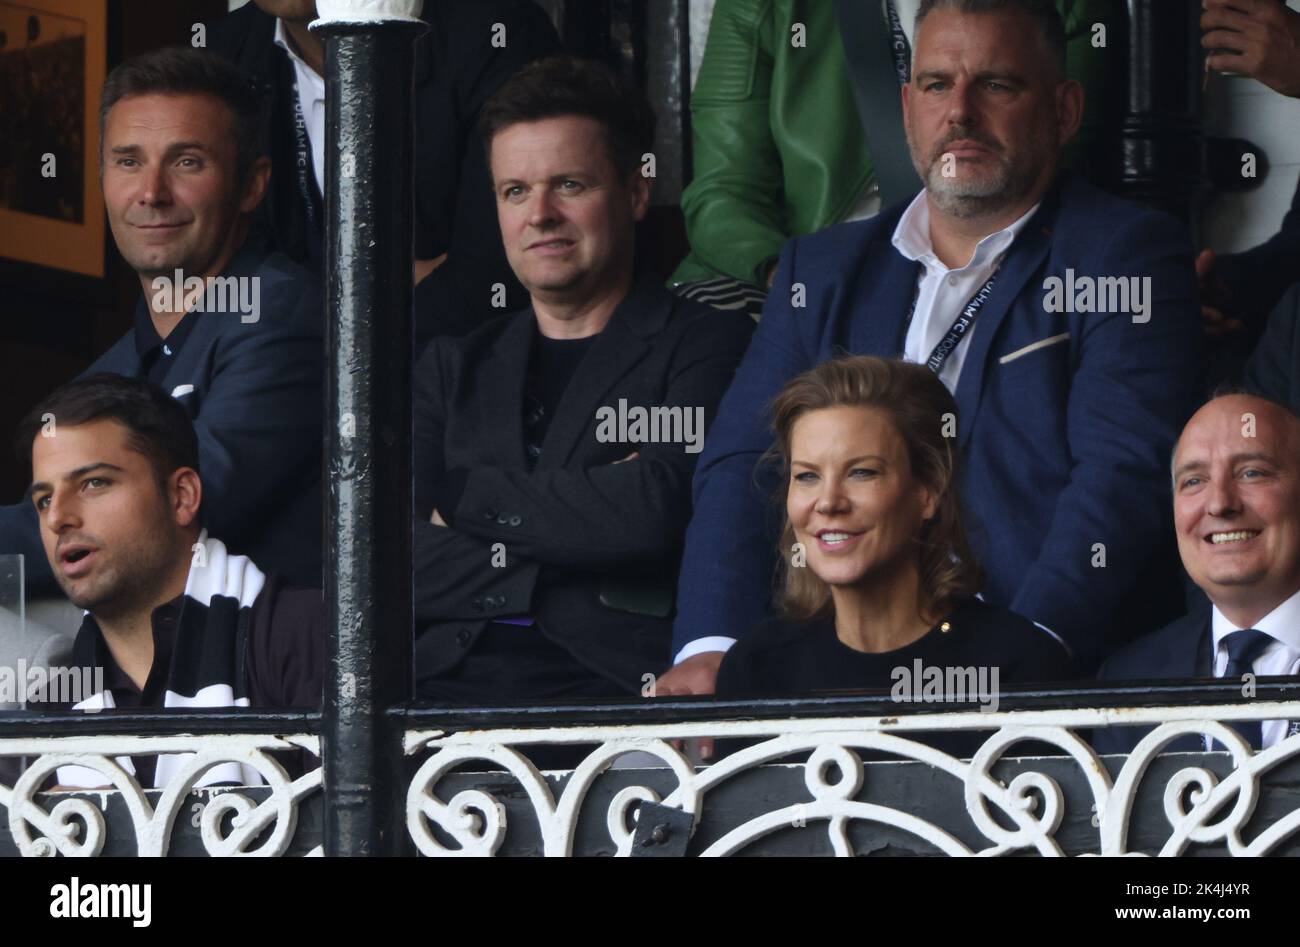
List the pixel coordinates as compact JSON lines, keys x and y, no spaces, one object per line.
{"x":471,"y":47}
{"x":1236,"y":483}
{"x":1067,"y":408}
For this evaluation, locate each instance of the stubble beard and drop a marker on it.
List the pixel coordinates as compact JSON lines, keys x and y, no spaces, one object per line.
{"x":987,"y":194}
{"x":131,"y":582}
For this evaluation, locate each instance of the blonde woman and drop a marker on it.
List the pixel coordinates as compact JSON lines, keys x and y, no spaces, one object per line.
{"x":877,"y":572}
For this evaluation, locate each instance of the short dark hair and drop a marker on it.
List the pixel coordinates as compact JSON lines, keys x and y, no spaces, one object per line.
{"x":567,"y":85}
{"x":1051,"y":28}
{"x":184,"y":70}
{"x":157,"y":425}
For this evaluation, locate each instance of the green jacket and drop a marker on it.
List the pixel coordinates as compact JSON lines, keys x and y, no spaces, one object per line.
{"x":778,"y":148}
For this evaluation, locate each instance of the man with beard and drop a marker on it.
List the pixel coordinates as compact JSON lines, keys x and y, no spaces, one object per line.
{"x":1069,"y":398}
{"x":173,"y":619}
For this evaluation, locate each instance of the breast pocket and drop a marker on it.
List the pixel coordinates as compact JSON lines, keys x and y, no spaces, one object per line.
{"x":1026,"y":397}
{"x":1034,"y":348}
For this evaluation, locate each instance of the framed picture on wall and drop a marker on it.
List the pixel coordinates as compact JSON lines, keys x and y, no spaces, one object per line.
{"x":53,"y":56}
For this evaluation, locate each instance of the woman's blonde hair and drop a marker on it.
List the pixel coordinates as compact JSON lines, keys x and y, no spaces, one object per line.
{"x":925,"y":414}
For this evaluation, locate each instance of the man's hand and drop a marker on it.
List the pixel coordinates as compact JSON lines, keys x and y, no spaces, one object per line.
{"x":1257,"y":38}
{"x":422,"y":268}
{"x":698,"y":674}
{"x":1215,"y":299}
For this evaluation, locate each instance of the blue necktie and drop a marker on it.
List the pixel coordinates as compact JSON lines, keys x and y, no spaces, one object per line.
{"x":1243,"y":648}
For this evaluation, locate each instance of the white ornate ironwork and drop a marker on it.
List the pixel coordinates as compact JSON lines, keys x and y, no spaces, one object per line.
{"x":76,"y":825}
{"x":1032,"y":803}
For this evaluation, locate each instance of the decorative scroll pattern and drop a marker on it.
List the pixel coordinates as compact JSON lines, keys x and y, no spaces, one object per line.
{"x":229,"y":821}
{"x":1200,"y":808}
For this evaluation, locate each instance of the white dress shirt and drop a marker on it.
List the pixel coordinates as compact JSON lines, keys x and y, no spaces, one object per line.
{"x":311,"y":98}
{"x":943,"y":293}
{"x":1280,"y":656}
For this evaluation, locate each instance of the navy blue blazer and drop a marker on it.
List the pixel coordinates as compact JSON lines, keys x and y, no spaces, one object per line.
{"x":1066,"y":420}
{"x":255,"y":392}
{"x":1179,"y":651}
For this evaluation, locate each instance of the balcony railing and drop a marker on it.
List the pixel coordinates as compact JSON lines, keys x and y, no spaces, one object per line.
{"x":838,"y":775}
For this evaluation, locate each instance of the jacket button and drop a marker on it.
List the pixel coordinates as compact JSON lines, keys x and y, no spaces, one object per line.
{"x":462,"y":637}
{"x":499,"y":601}
{"x":516,"y":520}
{"x":477,"y":605}
{"x":503,"y":519}
{"x":489,"y":514}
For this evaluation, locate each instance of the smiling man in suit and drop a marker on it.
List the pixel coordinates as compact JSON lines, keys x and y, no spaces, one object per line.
{"x":554,"y":448}
{"x":1236,"y":480}
{"x":1007,"y":277}
{"x":231,"y":332}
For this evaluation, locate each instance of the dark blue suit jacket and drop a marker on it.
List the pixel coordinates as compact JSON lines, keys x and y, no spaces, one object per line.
{"x":1179,"y":651}
{"x":254,"y":391}
{"x":1066,"y":420}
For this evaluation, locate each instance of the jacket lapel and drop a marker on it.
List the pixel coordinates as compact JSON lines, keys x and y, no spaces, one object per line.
{"x":500,"y":385}
{"x":622,"y":343}
{"x":884,"y":303}
{"x":1021,"y":263}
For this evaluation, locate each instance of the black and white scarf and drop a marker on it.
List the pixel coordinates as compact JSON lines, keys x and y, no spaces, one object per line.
{"x":208,"y":666}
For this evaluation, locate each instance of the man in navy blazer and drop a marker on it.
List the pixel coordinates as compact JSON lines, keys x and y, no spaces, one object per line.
{"x":1070,"y":394}
{"x":1236,"y":482}
{"x":230,"y":332}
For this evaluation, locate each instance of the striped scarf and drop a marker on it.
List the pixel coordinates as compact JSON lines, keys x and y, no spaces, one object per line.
{"x":207,"y":667}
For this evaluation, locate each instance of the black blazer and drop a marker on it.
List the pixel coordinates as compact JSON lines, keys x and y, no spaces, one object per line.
{"x":578,"y":529}
{"x":1274,"y":369}
{"x":1180,"y":650}
{"x":455,"y":211}
{"x":1257,"y":278}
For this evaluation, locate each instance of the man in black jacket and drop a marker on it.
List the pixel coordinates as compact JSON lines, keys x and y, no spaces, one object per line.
{"x":554,"y":449}
{"x":471,"y":47}
{"x":173,"y":620}
{"x":230,"y":331}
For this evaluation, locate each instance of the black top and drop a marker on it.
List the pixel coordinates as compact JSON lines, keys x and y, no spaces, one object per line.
{"x":280,"y":661}
{"x":550,"y":368}
{"x":157,"y":353}
{"x":781,"y":658}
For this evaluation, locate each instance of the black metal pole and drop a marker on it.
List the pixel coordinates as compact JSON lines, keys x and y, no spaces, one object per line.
{"x":1162,"y":159}
{"x":368,"y":211}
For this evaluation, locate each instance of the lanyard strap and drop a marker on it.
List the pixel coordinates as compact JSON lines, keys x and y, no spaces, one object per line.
{"x":961,"y":325}
{"x":899,"y":45}
{"x":303,"y":158}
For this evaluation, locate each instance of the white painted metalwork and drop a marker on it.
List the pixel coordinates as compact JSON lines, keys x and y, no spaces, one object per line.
{"x":75,"y":824}
{"x":367,"y":11}
{"x":1032,"y":802}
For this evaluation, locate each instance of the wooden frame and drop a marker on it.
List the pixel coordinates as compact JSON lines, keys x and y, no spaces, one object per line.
{"x":51,"y":207}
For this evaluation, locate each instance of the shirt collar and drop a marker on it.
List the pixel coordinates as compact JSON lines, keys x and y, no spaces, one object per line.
{"x":91,"y":650}
{"x":912,"y":236}
{"x":243,"y":262}
{"x":305,"y":71}
{"x":1281,"y":624}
